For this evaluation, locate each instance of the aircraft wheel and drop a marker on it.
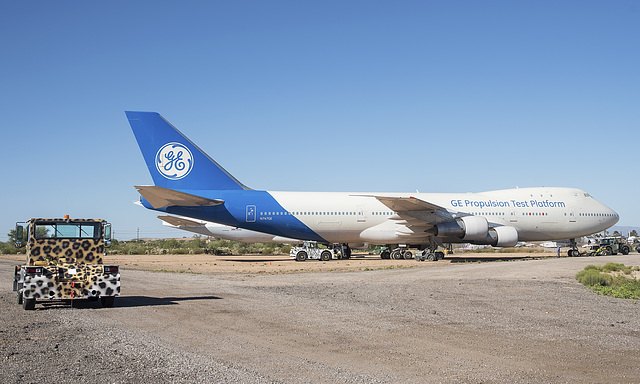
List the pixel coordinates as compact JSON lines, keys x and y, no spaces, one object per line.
{"x":325,"y":256}
{"x":29,"y":304}
{"x":431,"y":256}
{"x":107,"y":301}
{"x":387,"y":255}
{"x":301,"y":256}
{"x":396,"y":255}
{"x":408,"y":255}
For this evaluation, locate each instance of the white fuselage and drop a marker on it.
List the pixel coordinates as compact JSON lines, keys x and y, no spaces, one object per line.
{"x":538,"y":214}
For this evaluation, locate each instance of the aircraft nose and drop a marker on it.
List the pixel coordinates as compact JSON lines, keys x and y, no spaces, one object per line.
{"x":614,"y":218}
{"x":611,"y":216}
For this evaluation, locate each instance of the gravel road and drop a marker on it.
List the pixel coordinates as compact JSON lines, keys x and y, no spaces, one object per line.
{"x":499,"y":322}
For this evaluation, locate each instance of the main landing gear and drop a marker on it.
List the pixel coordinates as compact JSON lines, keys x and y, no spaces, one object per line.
{"x":396,"y":254}
{"x":430,"y":255}
{"x":573,"y":252}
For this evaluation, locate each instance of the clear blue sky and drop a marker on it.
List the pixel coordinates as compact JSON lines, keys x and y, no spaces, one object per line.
{"x":436,"y":96}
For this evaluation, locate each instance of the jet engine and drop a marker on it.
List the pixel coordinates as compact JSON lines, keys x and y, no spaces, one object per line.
{"x":502,"y":236}
{"x":465,"y":228}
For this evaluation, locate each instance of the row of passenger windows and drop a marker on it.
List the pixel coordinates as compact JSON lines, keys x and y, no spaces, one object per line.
{"x":309,"y":213}
{"x":391,"y":213}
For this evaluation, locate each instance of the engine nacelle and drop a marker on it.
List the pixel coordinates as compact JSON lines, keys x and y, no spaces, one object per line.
{"x":464,"y":228}
{"x":502,"y":236}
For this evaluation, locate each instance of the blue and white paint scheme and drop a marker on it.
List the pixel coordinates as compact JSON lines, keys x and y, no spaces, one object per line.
{"x":189,"y":183}
{"x":222,"y":231}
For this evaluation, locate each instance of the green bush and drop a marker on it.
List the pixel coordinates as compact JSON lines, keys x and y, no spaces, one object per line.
{"x":615,"y":267}
{"x":607,"y":284}
{"x":592,"y":277}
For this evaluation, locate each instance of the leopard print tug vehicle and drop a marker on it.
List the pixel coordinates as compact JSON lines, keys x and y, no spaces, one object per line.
{"x":65,"y":261}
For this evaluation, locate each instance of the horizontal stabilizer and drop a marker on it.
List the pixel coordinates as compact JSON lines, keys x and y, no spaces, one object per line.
{"x":160,"y":197}
{"x":180,"y":222}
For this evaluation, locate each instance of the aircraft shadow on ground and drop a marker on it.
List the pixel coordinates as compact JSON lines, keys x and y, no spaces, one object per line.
{"x":462,"y":259}
{"x":254,"y":260}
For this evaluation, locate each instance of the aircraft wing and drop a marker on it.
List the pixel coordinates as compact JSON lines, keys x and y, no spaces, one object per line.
{"x":405,"y":204}
{"x":414,"y":216}
{"x":179,"y":221}
{"x":160,"y":197}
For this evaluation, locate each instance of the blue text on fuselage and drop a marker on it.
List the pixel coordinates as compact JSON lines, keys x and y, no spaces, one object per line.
{"x":480,"y":204}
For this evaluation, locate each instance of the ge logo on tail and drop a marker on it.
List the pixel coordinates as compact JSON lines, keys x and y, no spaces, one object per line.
{"x":174,"y":161}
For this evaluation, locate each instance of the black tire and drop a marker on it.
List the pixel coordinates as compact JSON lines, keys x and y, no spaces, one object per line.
{"x":625,"y":250}
{"x":325,"y":256}
{"x":107,"y":301}
{"x":301,"y":256}
{"x":408,"y":255}
{"x":29,"y":304}
{"x":19,"y":297}
{"x":385,"y":255}
{"x":431,"y":256}
{"x":439,"y":256}
{"x":608,"y":251}
{"x":396,"y":255}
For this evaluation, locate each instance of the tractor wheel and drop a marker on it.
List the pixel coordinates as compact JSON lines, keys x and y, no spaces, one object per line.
{"x":107,"y":301}
{"x":29,"y":304}
{"x":325,"y":256}
{"x":301,"y":256}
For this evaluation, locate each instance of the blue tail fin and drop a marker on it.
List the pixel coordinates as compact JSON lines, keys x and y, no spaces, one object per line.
{"x":173,"y":160}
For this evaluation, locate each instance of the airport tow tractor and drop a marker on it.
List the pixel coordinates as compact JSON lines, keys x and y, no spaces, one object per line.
{"x":614,"y":245}
{"x":310,"y":250}
{"x":65,"y":262}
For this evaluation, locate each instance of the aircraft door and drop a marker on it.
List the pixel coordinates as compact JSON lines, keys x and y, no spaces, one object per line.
{"x":251,"y":213}
{"x":362,"y":215}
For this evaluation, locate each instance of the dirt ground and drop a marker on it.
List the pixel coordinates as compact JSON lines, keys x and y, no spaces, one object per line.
{"x":275,"y":264}
{"x":267,"y":319}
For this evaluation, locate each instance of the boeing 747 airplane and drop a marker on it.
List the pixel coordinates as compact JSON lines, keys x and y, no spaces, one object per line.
{"x":190,"y":183}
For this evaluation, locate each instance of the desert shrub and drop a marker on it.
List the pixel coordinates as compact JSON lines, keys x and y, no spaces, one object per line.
{"x":592,"y":277}
{"x":607,"y":284}
{"x":615,"y":267}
